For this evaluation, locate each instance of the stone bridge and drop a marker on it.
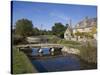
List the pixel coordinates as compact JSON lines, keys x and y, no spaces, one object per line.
{"x":40,"y":46}
{"x":52,"y":48}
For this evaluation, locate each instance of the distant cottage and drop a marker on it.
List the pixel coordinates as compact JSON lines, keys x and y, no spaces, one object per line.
{"x":68,"y":32}
{"x":86,"y":27}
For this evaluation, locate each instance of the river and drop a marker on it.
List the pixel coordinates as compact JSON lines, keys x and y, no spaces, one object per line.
{"x":58,"y":62}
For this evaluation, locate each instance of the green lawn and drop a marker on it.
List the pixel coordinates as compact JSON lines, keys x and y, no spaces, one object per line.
{"x":63,"y":41}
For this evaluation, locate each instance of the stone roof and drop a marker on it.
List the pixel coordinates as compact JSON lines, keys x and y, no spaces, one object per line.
{"x":86,"y":23}
{"x":69,"y":28}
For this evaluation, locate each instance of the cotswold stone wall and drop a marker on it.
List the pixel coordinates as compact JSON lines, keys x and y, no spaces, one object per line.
{"x":71,"y":50}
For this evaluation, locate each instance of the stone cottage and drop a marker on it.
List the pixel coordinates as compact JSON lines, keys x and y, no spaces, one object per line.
{"x":84,"y":26}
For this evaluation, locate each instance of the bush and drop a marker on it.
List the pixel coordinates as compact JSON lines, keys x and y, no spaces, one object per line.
{"x":18,"y":40}
{"x":21,"y":63}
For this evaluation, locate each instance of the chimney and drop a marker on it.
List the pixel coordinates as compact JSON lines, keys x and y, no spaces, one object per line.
{"x":70,"y":23}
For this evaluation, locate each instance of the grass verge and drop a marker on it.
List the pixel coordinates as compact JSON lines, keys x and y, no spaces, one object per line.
{"x":21,"y":63}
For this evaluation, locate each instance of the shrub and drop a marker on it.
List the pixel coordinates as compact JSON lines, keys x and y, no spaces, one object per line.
{"x":18,"y":40}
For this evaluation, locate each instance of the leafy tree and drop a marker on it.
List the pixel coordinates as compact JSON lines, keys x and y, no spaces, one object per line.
{"x":67,"y":25}
{"x":59,"y":29}
{"x":36,"y":31}
{"x":49,"y":32}
{"x":24,"y":27}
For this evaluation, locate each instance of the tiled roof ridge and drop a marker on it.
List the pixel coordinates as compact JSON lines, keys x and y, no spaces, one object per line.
{"x":89,"y":23}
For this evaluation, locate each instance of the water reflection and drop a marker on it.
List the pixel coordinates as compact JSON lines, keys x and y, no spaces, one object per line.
{"x":45,"y":51}
{"x":35,"y":51}
{"x":57,"y":64}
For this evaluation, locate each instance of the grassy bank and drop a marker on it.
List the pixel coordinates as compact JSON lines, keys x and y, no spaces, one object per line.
{"x":69,"y":43}
{"x":21,"y":63}
{"x":88,"y":52}
{"x":63,"y":41}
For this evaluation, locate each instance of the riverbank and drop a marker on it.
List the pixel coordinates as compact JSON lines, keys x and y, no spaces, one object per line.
{"x":63,"y":63}
{"x":21,"y":63}
{"x":85,"y":50}
{"x":89,"y":53}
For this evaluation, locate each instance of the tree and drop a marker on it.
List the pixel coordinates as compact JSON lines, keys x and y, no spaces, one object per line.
{"x":67,"y":25}
{"x":59,"y":29}
{"x":36,"y":31}
{"x":24,"y":27}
